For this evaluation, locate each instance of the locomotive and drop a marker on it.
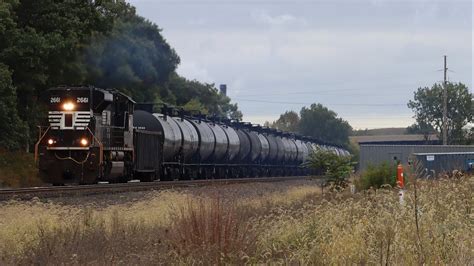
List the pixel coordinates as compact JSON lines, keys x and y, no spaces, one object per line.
{"x":102,"y":135}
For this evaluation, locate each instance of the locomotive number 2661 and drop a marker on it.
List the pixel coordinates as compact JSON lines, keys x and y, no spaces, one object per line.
{"x":82,"y":100}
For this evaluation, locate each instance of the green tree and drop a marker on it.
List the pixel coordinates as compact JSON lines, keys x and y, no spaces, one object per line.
{"x":428,"y":108}
{"x":12,"y":128}
{"x":42,"y":44}
{"x":422,"y":129}
{"x":289,"y":121}
{"x":184,"y":91}
{"x":134,"y":58}
{"x":335,"y":168}
{"x":320,"y":122}
{"x":46,"y":43}
{"x":470,"y":136}
{"x":195,"y":106}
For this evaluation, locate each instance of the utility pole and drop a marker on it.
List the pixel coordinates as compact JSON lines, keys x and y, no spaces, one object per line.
{"x":445,"y":106}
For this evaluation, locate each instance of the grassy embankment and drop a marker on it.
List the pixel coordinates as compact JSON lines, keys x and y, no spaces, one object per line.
{"x":248,"y":224}
{"x":17,"y":169}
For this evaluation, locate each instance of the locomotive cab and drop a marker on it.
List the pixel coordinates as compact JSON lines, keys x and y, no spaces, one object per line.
{"x":88,"y":138}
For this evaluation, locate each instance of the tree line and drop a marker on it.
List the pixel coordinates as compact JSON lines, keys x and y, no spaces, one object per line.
{"x":315,"y":121}
{"x":46,"y":43}
{"x":427,"y":104}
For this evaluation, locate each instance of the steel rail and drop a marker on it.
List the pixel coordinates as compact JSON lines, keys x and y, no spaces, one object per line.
{"x":83,"y":190}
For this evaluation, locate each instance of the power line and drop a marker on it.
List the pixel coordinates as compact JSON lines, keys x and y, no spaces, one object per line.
{"x":296,"y":92}
{"x":307,"y":103}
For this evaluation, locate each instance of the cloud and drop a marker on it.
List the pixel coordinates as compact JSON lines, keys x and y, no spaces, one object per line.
{"x":263,"y":17}
{"x":371,"y":51}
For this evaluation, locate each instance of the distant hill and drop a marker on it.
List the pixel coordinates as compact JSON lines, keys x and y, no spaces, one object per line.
{"x":380,"y":131}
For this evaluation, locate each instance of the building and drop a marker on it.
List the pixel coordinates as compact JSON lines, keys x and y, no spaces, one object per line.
{"x":377,"y":153}
{"x":434,"y":163}
{"x":396,"y":139}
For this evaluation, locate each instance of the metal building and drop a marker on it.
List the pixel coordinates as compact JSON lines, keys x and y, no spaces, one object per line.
{"x":376,"y":154}
{"x":435,"y":163}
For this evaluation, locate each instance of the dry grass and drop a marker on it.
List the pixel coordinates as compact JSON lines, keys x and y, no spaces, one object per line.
{"x":249,"y":224}
{"x":212,"y":231}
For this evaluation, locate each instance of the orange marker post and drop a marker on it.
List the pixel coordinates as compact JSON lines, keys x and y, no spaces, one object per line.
{"x":400,"y":181}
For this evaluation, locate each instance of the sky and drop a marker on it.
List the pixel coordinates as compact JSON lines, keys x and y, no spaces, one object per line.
{"x":362,"y":59}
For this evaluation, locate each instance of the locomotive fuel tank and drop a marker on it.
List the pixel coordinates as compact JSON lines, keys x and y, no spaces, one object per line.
{"x":222,"y":143}
{"x":190,"y":143}
{"x":207,"y":141}
{"x":234,"y":142}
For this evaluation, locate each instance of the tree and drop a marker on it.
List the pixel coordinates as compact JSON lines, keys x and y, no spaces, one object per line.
{"x":320,"y":122}
{"x":211,"y":101}
{"x":46,"y":43}
{"x":42,"y":44}
{"x":134,"y":58}
{"x":428,"y":108}
{"x":336,"y":168}
{"x":195,"y":106}
{"x":470,"y":136}
{"x":421,"y":128}
{"x":289,"y":121}
{"x":12,"y":128}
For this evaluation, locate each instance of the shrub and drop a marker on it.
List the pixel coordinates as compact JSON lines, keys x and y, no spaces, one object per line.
{"x":378,"y":175}
{"x":212,"y":231}
{"x":336,"y":168}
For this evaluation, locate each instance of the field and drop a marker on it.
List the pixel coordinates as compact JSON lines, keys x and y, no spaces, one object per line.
{"x":285,"y":222}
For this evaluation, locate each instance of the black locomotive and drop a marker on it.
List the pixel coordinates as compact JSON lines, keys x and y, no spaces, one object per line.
{"x":98,"y":135}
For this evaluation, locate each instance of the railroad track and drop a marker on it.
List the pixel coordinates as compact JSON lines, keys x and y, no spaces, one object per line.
{"x":82,"y":190}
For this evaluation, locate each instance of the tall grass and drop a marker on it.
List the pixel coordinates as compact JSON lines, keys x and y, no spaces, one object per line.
{"x":296,"y":225}
{"x":212,"y":231}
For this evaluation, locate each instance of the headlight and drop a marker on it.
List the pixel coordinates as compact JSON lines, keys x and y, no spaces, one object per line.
{"x":50,"y":141}
{"x":84,"y":142}
{"x":69,"y":106}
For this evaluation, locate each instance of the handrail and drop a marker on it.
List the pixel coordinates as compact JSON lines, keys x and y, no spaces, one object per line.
{"x":101,"y":147}
{"x":38,"y":142}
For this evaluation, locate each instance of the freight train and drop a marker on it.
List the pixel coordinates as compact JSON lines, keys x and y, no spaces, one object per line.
{"x":101,"y":135}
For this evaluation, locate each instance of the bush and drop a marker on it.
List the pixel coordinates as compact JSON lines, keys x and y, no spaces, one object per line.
{"x":378,"y":175}
{"x":336,"y":168}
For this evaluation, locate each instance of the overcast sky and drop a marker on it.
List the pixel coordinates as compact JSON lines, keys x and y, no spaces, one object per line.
{"x":362,"y":59}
